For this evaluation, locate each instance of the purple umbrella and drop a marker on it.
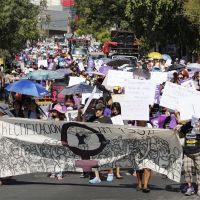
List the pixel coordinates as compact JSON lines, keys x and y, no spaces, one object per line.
{"x":64,"y":71}
{"x":105,"y":69}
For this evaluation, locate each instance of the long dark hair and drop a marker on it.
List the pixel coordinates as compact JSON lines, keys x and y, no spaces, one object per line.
{"x":117,"y":106}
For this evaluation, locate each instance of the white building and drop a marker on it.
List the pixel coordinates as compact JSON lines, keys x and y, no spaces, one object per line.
{"x":59,"y":16}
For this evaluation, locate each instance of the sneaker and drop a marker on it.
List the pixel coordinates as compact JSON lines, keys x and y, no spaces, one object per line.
{"x":95,"y":180}
{"x":198,"y":193}
{"x":110,"y":177}
{"x":53,"y":175}
{"x":190,"y":191}
{"x":60,"y":177}
{"x":85,"y":175}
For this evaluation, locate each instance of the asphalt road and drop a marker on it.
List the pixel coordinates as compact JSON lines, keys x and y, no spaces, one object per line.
{"x":39,"y":186}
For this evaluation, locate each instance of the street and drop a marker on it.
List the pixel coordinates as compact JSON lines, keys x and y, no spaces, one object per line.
{"x":39,"y":186}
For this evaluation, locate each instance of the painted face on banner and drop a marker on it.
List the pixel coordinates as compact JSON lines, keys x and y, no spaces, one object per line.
{"x":82,"y":140}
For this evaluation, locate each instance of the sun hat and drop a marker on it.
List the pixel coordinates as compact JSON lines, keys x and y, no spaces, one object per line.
{"x":58,"y":108}
{"x":100,"y":106}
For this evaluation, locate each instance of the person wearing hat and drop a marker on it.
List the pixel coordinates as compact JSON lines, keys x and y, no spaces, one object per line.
{"x":57,"y":114}
{"x":100,"y":118}
{"x":99,"y":114}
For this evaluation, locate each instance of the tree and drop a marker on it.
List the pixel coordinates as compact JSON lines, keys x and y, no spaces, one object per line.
{"x":98,"y":16}
{"x":154,"y":21}
{"x":18,"y":22}
{"x":192,"y":11}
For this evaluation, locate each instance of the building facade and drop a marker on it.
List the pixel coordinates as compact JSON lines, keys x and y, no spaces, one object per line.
{"x":59,"y":12}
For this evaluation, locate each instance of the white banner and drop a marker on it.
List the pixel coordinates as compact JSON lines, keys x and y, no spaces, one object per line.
{"x":30,"y":146}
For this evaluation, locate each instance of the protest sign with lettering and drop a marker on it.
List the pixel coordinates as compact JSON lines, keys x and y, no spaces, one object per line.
{"x":132,"y":109}
{"x":140,"y":90}
{"x":30,"y":146}
{"x":118,"y":78}
{"x":188,"y":108}
{"x":139,"y":94}
{"x":174,"y":94}
{"x":75,"y":80}
{"x":188,"y":84}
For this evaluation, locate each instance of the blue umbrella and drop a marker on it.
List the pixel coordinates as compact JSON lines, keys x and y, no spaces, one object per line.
{"x":166,"y":57}
{"x":27,"y":87}
{"x":43,"y":75}
{"x":77,"y":89}
{"x":64,"y":71}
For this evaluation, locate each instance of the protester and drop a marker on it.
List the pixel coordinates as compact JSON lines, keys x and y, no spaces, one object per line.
{"x":57,"y":114}
{"x":190,"y":131}
{"x":143,"y":173}
{"x":116,"y":110}
{"x":17,"y":109}
{"x":100,"y":118}
{"x":33,"y":111}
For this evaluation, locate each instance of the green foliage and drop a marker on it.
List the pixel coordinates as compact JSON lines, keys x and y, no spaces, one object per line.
{"x":103,"y":36}
{"x":18,"y":22}
{"x":154,"y":21}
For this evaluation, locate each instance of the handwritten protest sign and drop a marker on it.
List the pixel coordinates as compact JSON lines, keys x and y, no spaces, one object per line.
{"x":174,"y":94}
{"x":75,"y":80}
{"x":188,"y":84}
{"x":30,"y":146}
{"x":42,"y":62}
{"x":139,"y":94}
{"x":140,"y":90}
{"x":118,"y":78}
{"x":188,"y":108}
{"x":132,"y":109}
